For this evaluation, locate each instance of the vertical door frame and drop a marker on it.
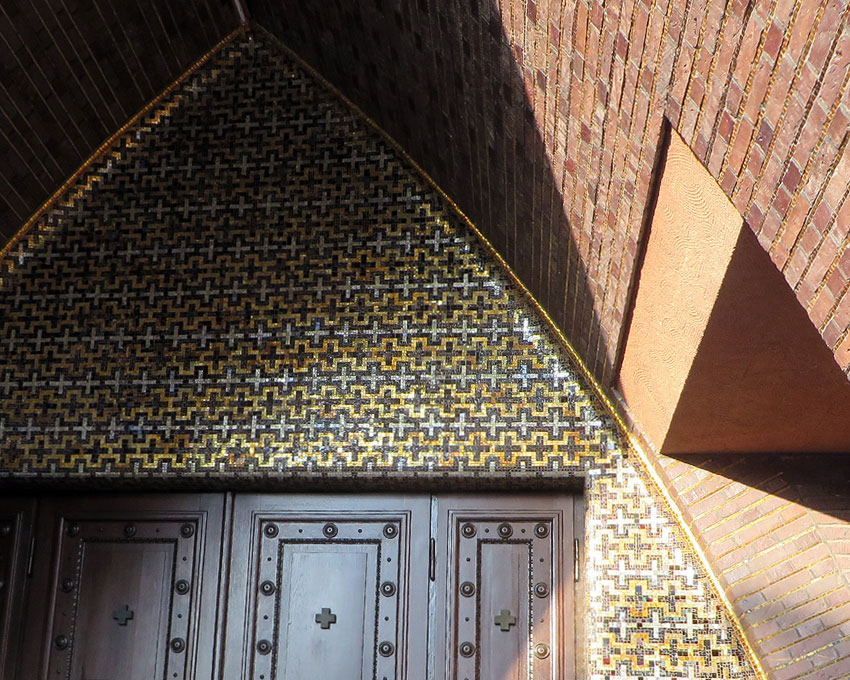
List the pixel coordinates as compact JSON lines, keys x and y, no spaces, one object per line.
{"x":17,"y":516}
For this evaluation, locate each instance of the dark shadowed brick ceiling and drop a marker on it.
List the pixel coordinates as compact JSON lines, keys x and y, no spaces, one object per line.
{"x":543,"y":119}
{"x":72,"y":73}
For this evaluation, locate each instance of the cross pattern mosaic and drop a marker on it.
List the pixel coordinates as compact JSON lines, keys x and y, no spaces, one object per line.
{"x":255,"y":282}
{"x":260,"y":282}
{"x":652,"y":613}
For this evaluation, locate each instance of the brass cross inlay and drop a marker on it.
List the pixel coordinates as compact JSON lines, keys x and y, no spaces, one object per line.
{"x":504,"y":620}
{"x":326,"y":618}
{"x":123,"y":615}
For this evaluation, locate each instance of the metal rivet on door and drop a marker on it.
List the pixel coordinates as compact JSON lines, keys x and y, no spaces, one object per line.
{"x":541,"y":650}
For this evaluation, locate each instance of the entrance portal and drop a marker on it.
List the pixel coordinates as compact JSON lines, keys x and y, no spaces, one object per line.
{"x":289,"y":587}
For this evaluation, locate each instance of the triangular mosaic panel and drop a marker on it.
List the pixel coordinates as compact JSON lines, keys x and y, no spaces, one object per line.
{"x":254,"y":283}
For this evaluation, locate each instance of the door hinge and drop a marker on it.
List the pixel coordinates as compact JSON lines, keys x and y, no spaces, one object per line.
{"x":575,"y":559}
{"x":31,"y":556}
{"x":432,"y":560}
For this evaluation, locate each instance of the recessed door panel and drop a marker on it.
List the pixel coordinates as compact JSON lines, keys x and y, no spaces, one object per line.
{"x":124,"y":609}
{"x":117,"y":610}
{"x":328,"y":587}
{"x":326,"y":609}
{"x":503,"y":615}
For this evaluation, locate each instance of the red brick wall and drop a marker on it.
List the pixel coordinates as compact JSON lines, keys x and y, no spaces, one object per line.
{"x":776,"y":531}
{"x":543,"y":120}
{"x":72,"y":73}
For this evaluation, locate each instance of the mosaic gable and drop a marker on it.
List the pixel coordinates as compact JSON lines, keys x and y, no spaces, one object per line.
{"x":259,"y":282}
{"x":255,"y":283}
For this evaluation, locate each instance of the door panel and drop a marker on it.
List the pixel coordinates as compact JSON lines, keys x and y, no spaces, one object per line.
{"x":503,"y":616}
{"x":125,"y":612}
{"x":325,"y":608}
{"x":131,"y":592}
{"x":16,"y":517}
{"x":328,"y":586}
{"x":504,"y":596}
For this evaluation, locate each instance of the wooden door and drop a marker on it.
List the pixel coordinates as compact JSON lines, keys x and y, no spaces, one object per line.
{"x":330,"y":587}
{"x":130,"y":588}
{"x":16,"y":517}
{"x":338,"y":587}
{"x":504,"y":587}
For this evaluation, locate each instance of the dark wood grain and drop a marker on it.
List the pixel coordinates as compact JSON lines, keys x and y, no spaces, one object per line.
{"x":126,"y":587}
{"x":16,"y":517}
{"x":337,"y":585}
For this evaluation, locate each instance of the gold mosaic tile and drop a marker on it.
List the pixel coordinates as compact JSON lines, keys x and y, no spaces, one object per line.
{"x":255,"y":283}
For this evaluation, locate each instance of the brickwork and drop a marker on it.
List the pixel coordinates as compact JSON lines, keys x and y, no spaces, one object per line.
{"x":776,"y":530}
{"x":72,"y":73}
{"x":254,"y":284}
{"x":542,"y":119}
